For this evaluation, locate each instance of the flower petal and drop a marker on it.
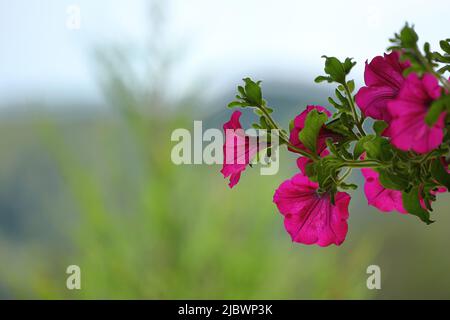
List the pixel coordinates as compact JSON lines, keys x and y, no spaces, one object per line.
{"x":373,"y":101}
{"x":384,"y":78}
{"x":408,"y":129}
{"x":383,"y":199}
{"x":238,"y":150}
{"x":309,"y":217}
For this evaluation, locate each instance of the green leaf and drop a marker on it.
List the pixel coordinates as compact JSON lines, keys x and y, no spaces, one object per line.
{"x":441,"y":58}
{"x":378,"y":148}
{"x":258,"y":112}
{"x":392,"y":181}
{"x":434,"y":112}
{"x":426,"y":48}
{"x":234,"y":104}
{"x":313,"y":123}
{"x":311,"y":171}
{"x":263,"y":123}
{"x":253,"y":92}
{"x":444,"y":69}
{"x":348,"y":186}
{"x":337,"y":126}
{"x":411,"y":202}
{"x":379,"y":126}
{"x":341,"y":98}
{"x":241,"y":91}
{"x":322,"y":79}
{"x":326,"y":169}
{"x":440,"y":173}
{"x":334,"y":103}
{"x":291,"y":125}
{"x":436,"y":109}
{"x":347,"y":121}
{"x":351,"y":85}
{"x":331,"y":146}
{"x":359,"y":146}
{"x":348,"y":65}
{"x":445,"y":46}
{"x":335,"y":69}
{"x":408,"y":37}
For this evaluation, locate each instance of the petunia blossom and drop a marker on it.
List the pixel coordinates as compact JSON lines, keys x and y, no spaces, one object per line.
{"x":310,"y":217}
{"x":408,"y":129}
{"x":383,"y":199}
{"x":299,"y":124}
{"x":383,"y":77}
{"x":386,"y":200}
{"x":238,"y":150}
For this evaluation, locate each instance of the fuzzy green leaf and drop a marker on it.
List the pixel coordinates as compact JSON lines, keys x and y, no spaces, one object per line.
{"x":445,"y":46}
{"x":253,"y":92}
{"x":379,"y":126}
{"x":359,"y":146}
{"x":313,"y":123}
{"x":393,"y":181}
{"x":440,"y":173}
{"x":436,"y":109}
{"x":378,"y":148}
{"x":235,"y":104}
{"x":408,"y":37}
{"x":335,"y":69}
{"x":348,"y":65}
{"x":411,"y":202}
{"x":322,"y":78}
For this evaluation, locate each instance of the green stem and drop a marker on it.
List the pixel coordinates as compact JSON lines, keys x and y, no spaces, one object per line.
{"x":362,"y":164}
{"x":344,"y":176}
{"x":444,"y":82}
{"x":358,"y":122}
{"x":283,"y":137}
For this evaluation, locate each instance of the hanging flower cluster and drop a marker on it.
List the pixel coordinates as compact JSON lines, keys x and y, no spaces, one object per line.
{"x":402,"y":152}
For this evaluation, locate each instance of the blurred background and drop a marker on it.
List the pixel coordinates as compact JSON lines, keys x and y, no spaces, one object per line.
{"x":90,"y":93}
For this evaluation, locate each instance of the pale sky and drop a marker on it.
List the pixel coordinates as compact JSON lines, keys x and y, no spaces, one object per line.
{"x":228,"y":39}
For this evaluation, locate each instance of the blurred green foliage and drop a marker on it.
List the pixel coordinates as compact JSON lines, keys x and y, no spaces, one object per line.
{"x":100,"y":191}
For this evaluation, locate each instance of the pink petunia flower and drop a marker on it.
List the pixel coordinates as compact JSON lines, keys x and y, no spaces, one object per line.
{"x":238,"y":150}
{"x":384,"y":78}
{"x":408,"y":130}
{"x":386,"y":200}
{"x":299,"y":124}
{"x":383,"y":199}
{"x":309,"y":217}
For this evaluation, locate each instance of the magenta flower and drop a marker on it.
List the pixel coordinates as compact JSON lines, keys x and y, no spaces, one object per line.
{"x":238,"y":149}
{"x":387,"y":200}
{"x":309,"y":217}
{"x":383,"y":199}
{"x":408,"y":130}
{"x":302,"y":162}
{"x":299,"y":123}
{"x":384,"y":78}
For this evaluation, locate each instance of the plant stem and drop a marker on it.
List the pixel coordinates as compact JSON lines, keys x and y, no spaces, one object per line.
{"x":358,"y":122}
{"x":283,"y":137}
{"x":444,"y":82}
{"x":344,"y":176}
{"x":362,"y":164}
